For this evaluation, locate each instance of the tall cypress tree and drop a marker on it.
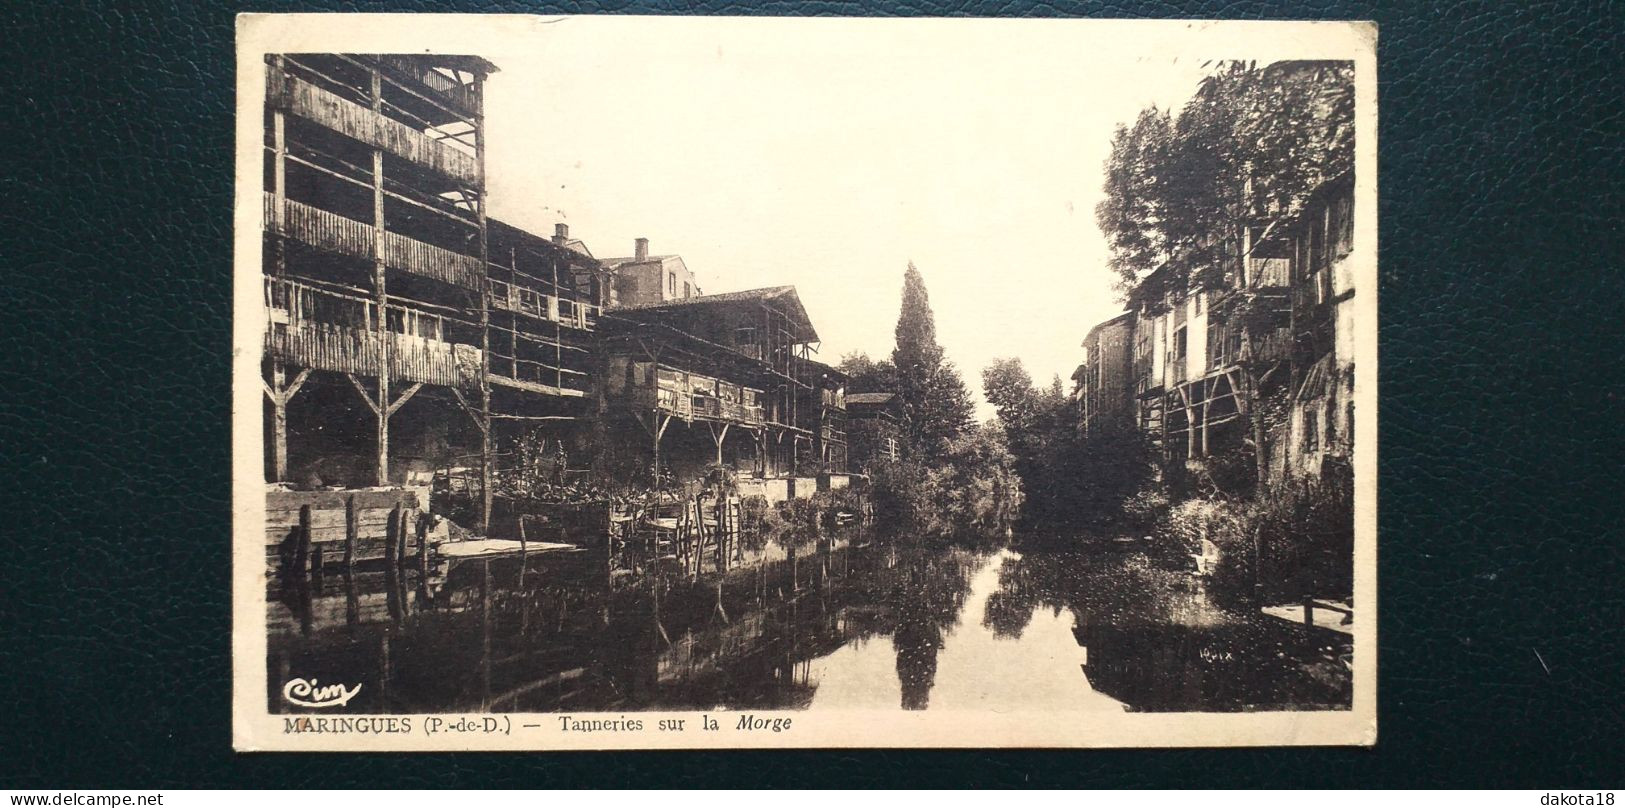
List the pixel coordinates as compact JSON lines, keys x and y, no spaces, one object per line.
{"x":936,"y":404}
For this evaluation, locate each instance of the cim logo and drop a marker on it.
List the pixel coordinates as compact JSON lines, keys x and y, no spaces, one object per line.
{"x":312,"y":694}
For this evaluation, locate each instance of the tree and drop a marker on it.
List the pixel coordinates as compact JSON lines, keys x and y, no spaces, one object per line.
{"x":1040,"y":425}
{"x":936,"y":405}
{"x":865,"y":375}
{"x":1009,"y":388}
{"x":975,"y":489}
{"x":1134,"y":209}
{"x":1250,"y":146}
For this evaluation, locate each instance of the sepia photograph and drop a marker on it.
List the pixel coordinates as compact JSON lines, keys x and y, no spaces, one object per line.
{"x":634,"y":382}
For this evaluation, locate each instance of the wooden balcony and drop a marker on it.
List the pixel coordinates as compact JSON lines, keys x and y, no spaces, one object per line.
{"x":1271,"y":273}
{"x":362,"y":124}
{"x":1177,"y":367}
{"x":1269,"y":347}
{"x":329,"y":231}
{"x":693,"y":396}
{"x":451,"y":91}
{"x":350,"y":350}
{"x":568,"y":312}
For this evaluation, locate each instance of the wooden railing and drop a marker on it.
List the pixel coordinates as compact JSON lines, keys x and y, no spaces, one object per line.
{"x":350,"y":350}
{"x":568,"y":312}
{"x":329,"y":231}
{"x":1176,"y":369}
{"x":1227,"y":348}
{"x":1271,"y":346}
{"x":691,"y":395}
{"x":452,"y":91}
{"x":1271,"y":272}
{"x":362,"y":124}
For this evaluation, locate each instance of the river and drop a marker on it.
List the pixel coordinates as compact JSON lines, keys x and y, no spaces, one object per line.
{"x":842,"y":623}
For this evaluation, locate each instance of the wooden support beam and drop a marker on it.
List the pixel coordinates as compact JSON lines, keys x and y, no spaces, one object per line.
{"x":478,"y":417}
{"x":381,"y":320}
{"x":360,"y":388}
{"x":719,"y":438}
{"x":281,"y":392}
{"x":405,"y":396}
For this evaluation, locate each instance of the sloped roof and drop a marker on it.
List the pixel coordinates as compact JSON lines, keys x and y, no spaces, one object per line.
{"x":785,"y":295}
{"x":869,"y":398}
{"x":575,"y":251}
{"x":631,"y":260}
{"x":1104,"y":324}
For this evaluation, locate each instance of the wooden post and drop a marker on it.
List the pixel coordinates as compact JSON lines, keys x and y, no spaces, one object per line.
{"x":392,"y":530}
{"x":558,"y":331}
{"x":1207,"y":404}
{"x":524,"y":550}
{"x":423,"y":548}
{"x":487,"y":466}
{"x":721,"y":534}
{"x":658,"y":430}
{"x":380,"y":291}
{"x":700,"y":533}
{"x":279,"y":412}
{"x":352,"y":530}
{"x":281,"y":391}
{"x":301,"y":557}
{"x":402,"y":533}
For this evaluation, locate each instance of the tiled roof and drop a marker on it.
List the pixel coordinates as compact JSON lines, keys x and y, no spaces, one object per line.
{"x":767,"y":293}
{"x":869,"y":398}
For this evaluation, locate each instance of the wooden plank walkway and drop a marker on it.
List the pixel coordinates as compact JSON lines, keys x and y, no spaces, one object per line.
{"x":1321,"y":614}
{"x":492,"y":548}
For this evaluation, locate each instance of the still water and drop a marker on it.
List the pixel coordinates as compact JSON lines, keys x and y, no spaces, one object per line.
{"x":831,"y":623}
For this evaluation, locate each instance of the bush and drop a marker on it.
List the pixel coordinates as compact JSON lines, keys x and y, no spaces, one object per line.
{"x":1145,"y":509}
{"x":896,"y":490}
{"x":757,"y":513}
{"x":972,"y":490}
{"x":1200,"y":526}
{"x":1299,"y":534}
{"x":1306,"y":531}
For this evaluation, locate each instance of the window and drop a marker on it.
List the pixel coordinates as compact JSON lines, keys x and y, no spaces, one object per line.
{"x":1331,"y":424}
{"x":671,"y":283}
{"x":1348,"y":424}
{"x":1311,"y":431}
{"x":688,"y":290}
{"x":1179,"y":344}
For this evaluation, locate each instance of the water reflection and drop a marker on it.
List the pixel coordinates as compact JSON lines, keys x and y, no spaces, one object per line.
{"x":842,"y":622}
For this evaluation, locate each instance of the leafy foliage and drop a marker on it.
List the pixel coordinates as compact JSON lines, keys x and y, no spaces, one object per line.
{"x":1069,"y":483}
{"x":866,"y":375}
{"x":1294,"y":540}
{"x":972,"y":490}
{"x":1250,"y":145}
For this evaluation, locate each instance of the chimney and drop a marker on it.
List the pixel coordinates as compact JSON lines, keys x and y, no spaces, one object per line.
{"x":642,"y":253}
{"x":561,"y":233}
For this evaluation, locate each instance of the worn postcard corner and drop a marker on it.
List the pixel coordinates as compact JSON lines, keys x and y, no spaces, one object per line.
{"x":751,"y":383}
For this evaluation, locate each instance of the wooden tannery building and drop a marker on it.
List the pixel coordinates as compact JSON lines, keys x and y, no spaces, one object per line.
{"x":388,"y":286}
{"x":407,"y":332}
{"x":735,"y":371}
{"x":1262,"y":320}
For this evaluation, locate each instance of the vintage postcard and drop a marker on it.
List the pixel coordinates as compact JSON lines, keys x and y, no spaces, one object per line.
{"x":636,"y":382}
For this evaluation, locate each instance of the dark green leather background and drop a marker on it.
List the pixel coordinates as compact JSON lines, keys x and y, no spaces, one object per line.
{"x":1501,"y":389}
